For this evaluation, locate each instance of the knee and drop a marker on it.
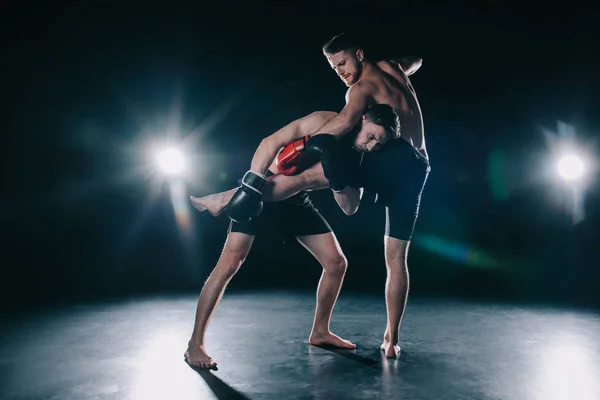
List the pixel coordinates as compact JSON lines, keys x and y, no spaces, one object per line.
{"x":336,"y":264}
{"x":397,"y":268}
{"x":232,"y":261}
{"x":396,"y":253}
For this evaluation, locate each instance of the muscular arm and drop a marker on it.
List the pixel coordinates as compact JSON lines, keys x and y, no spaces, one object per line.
{"x":409,"y":64}
{"x":348,"y":199}
{"x":270,"y":146}
{"x":358,"y":100}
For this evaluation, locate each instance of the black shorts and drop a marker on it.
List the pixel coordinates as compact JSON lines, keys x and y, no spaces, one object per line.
{"x":396,"y":175}
{"x":295,"y":216}
{"x":402,"y":209}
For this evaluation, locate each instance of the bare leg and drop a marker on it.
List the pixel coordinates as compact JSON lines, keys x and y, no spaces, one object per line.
{"x":396,"y":292}
{"x":237,"y":247}
{"x":279,"y":187}
{"x":326,"y":249}
{"x":214,"y":203}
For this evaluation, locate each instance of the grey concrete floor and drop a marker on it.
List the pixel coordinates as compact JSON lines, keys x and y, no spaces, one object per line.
{"x":451,"y":350}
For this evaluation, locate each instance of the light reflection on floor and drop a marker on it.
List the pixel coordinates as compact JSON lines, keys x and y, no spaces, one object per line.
{"x":451,"y":350}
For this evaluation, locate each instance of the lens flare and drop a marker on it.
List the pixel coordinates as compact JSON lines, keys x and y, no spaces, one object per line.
{"x":171,"y":161}
{"x":570,"y":167}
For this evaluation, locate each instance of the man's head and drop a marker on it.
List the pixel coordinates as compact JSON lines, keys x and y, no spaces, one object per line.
{"x":346,"y":57}
{"x":379,"y":124}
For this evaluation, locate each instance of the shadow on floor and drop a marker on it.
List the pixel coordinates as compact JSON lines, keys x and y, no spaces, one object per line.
{"x":351,"y":355}
{"x":222,"y":390}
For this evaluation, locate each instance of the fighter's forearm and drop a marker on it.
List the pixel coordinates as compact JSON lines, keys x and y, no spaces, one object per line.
{"x":348,"y":199}
{"x":264,"y":155}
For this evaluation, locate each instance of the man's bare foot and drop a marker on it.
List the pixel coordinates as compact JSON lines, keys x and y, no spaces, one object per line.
{"x":390,"y":350}
{"x":386,"y":340}
{"x":329,"y":339}
{"x":196,"y":356}
{"x":214,"y":203}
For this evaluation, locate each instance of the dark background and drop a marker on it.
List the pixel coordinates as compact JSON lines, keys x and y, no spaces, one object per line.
{"x":87,"y":86}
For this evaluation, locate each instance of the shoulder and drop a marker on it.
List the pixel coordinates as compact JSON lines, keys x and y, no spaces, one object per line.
{"x":364,"y":85}
{"x":387,"y":64}
{"x":362,"y":88}
{"x":393,"y":68}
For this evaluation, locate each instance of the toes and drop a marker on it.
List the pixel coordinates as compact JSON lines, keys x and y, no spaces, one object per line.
{"x":208,"y":364}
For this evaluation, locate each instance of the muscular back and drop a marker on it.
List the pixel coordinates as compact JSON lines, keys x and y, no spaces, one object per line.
{"x":390,"y":85}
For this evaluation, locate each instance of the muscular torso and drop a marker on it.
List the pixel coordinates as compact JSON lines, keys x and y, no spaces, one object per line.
{"x":388,"y":84}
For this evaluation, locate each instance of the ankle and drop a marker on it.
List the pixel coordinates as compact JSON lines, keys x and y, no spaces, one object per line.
{"x":196,"y":342}
{"x":392,"y":337}
{"x":320,"y":332}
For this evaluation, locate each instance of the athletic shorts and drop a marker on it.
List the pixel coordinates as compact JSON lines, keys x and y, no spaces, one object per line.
{"x":290,"y":218}
{"x":402,"y":210}
{"x":396,"y":175}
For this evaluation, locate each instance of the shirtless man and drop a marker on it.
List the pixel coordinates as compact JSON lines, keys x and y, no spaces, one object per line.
{"x":296,"y":217}
{"x":397,"y":173}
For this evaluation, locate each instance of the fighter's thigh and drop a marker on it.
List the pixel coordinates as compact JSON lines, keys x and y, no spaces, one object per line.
{"x":325,"y":248}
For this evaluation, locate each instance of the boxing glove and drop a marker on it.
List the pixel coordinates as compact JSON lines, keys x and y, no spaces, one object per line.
{"x":246,"y":202}
{"x":326,"y":147}
{"x":293,"y":158}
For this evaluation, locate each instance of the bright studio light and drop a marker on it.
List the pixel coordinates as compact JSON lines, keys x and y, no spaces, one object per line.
{"x":570,"y":167}
{"x":171,"y":161}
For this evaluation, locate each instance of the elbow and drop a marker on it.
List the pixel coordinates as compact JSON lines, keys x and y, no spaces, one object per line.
{"x":265,"y":142}
{"x":269,"y":145}
{"x":350,"y":209}
{"x":418,"y":61}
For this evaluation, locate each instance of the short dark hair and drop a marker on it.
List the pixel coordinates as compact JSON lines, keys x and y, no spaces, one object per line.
{"x":342,"y":42}
{"x":384,"y":115}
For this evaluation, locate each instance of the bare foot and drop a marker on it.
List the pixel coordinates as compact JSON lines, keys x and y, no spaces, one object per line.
{"x":390,"y":350}
{"x":329,"y":339}
{"x":214,"y":203}
{"x":196,"y":356}
{"x":386,"y":340}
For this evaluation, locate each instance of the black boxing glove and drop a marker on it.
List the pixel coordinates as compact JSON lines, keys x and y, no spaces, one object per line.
{"x":326,"y":147}
{"x":247,"y":203}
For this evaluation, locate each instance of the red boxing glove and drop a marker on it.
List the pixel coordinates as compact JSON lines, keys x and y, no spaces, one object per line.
{"x":292,"y":159}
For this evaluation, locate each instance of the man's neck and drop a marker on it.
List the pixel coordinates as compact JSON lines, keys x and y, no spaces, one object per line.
{"x":367,"y":69}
